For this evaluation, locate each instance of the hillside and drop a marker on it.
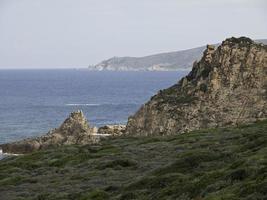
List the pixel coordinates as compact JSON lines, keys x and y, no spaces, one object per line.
{"x":220,"y":106}
{"x":226,"y":87}
{"x":159,"y":62}
{"x":228,"y":163}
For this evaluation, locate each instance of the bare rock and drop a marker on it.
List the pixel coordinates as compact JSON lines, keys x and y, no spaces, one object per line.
{"x":228,"y":86}
{"x":113,"y":130}
{"x":74,"y":130}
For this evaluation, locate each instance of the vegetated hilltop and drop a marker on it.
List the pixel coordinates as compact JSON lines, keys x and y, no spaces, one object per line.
{"x":225,"y":163}
{"x":228,"y":86}
{"x":170,"y":61}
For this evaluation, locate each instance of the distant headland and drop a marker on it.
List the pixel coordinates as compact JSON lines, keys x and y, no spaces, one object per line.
{"x":169,"y":61}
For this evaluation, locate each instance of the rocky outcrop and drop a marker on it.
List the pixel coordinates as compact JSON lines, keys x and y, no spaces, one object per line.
{"x":112,"y":130}
{"x":74,"y":130}
{"x":228,"y":86}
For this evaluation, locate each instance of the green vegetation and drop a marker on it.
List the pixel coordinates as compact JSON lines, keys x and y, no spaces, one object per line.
{"x":228,"y":163}
{"x":173,"y":96}
{"x":203,"y":87}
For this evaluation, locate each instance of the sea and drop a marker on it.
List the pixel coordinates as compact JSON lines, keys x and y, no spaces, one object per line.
{"x":34,"y":101}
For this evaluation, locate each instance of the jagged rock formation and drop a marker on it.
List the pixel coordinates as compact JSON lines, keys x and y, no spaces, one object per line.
{"x":112,"y":130}
{"x":74,"y":130}
{"x":228,"y":86}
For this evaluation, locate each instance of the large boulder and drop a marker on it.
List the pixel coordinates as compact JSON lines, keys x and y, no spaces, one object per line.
{"x":228,"y":86}
{"x":112,"y":130}
{"x":74,"y":130}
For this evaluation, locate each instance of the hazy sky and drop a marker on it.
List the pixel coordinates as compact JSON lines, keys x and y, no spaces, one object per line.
{"x":76,"y":33}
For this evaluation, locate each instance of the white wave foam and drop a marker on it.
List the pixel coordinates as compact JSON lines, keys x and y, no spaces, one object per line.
{"x":103,"y":104}
{"x":82,"y":104}
{"x":3,"y":155}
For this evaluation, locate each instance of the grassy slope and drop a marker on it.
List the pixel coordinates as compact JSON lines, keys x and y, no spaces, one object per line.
{"x":229,"y":163}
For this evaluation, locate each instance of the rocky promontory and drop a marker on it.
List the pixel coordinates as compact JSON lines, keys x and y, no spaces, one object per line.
{"x":74,"y":130}
{"x":169,"y":61}
{"x":228,"y":86}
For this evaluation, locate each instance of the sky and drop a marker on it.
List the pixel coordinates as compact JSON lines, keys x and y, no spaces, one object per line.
{"x":78,"y":33}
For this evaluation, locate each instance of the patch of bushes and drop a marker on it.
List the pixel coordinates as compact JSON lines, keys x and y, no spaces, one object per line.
{"x":95,"y":195}
{"x":117,"y":164}
{"x":226,"y":163}
{"x":203,"y":87}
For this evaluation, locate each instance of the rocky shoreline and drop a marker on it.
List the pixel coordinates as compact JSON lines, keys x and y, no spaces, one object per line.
{"x":227,"y":87}
{"x":74,"y":130}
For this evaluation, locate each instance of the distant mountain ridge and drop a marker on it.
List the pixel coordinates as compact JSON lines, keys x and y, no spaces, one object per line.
{"x":170,"y":61}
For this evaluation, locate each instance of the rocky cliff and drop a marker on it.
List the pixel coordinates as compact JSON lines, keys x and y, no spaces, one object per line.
{"x":228,"y":86}
{"x":74,"y":130}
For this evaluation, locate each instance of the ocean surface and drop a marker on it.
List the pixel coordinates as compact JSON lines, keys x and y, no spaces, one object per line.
{"x":34,"y":101}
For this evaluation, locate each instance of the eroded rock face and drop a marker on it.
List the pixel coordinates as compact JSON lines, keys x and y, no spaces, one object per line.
{"x":228,"y":86}
{"x":112,"y":130}
{"x":74,"y":130}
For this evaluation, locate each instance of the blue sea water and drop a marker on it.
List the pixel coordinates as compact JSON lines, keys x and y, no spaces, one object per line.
{"x":35,"y":101}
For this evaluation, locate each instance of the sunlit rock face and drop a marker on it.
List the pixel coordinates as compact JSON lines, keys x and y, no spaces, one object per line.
{"x":112,"y":130}
{"x":228,"y":86}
